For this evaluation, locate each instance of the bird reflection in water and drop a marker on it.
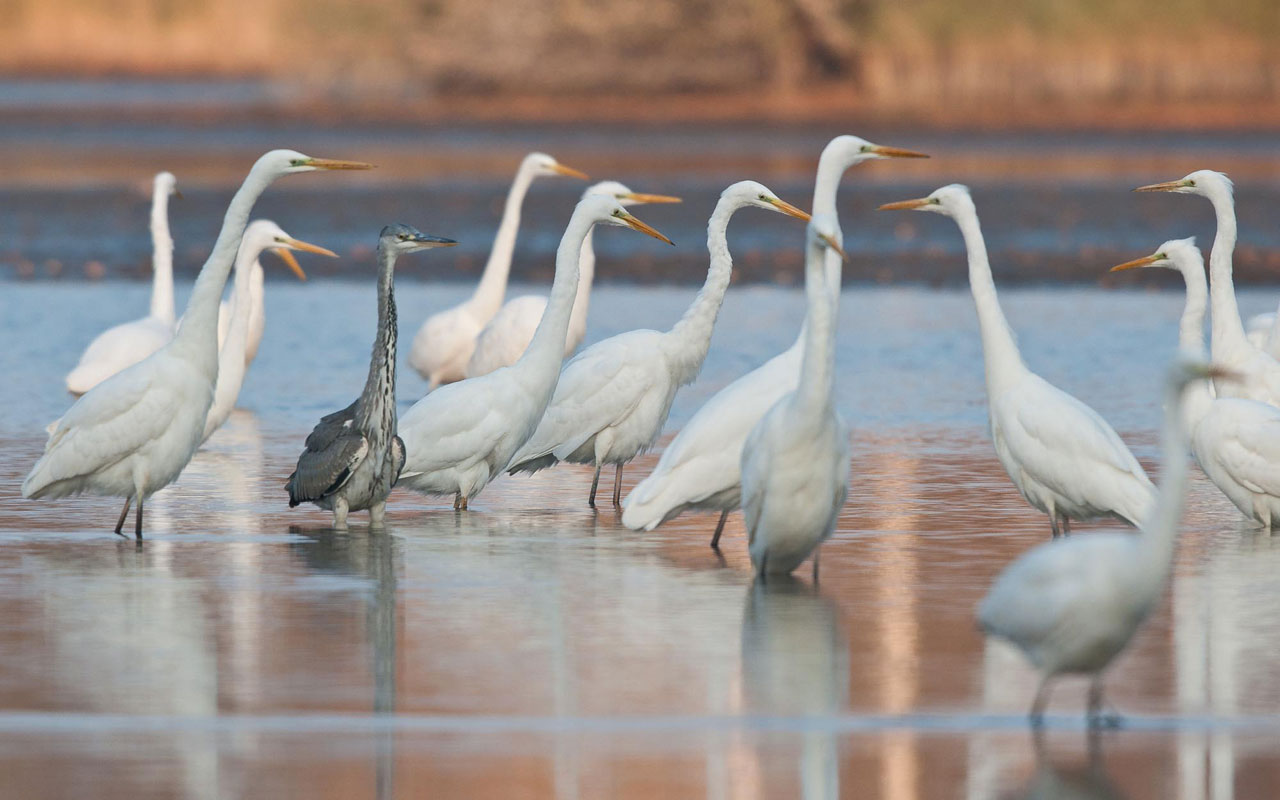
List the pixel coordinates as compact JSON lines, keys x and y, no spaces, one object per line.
{"x":1089,"y":781}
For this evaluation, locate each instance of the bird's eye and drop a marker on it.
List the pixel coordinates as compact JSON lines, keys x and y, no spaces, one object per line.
{"x":866,"y":148}
{"x":297,"y":162}
{"x":403,"y":236}
{"x":1191,"y":183}
{"x":617,"y":213}
{"x":935,"y":201}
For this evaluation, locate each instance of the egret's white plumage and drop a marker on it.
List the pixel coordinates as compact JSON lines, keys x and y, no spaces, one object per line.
{"x":132,"y":434}
{"x":506,"y":336}
{"x":460,"y":436}
{"x":256,"y":304}
{"x":1235,"y":440}
{"x":1072,"y":604}
{"x":1230,"y":344}
{"x":795,"y":462}
{"x":233,"y":351}
{"x":128,"y":343}
{"x":1063,"y":457}
{"x":443,"y":345}
{"x":613,"y":398}
{"x":700,"y":469}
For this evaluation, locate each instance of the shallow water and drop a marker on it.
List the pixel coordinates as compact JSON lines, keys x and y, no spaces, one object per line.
{"x":532,"y":648}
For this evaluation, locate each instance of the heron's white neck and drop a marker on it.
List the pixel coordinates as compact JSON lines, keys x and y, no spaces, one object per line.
{"x":231,"y":362}
{"x":1228,"y":330}
{"x":197,"y":338}
{"x":540,"y":362}
{"x":161,"y":257}
{"x":1196,"y":399}
{"x":689,"y":339}
{"x":586,"y":274}
{"x":487,"y":298}
{"x":1159,"y":535}
{"x":999,"y":347}
{"x":817,"y":371}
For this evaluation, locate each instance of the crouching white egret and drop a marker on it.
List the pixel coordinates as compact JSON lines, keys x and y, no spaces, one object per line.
{"x":129,"y":342}
{"x":1063,"y":457}
{"x":134,"y":433}
{"x":795,"y":463}
{"x":461,"y":436}
{"x":1072,"y":604}
{"x":614,"y":397}
{"x":443,"y":345}
{"x":1235,"y":440}
{"x":506,"y":336}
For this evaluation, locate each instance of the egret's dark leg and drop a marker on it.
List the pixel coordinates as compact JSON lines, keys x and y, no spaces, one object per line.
{"x":1038,"y":705}
{"x":128,"y":501}
{"x":715,"y":537}
{"x":1066,"y":525}
{"x":617,"y":487}
{"x":595,"y":481}
{"x":1053,"y":522}
{"x":465,"y":501}
{"x":1096,"y":717}
{"x":137,"y":520}
{"x":457,"y":501}
{"x":817,"y":552}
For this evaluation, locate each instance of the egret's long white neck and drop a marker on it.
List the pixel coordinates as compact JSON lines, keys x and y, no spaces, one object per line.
{"x":488,"y":295}
{"x":817,"y":370}
{"x":231,"y":364}
{"x":540,"y":362}
{"x":586,"y":274}
{"x":161,"y":257}
{"x":832,"y":165}
{"x":1196,"y":399}
{"x":1159,"y":535}
{"x":999,"y":347}
{"x":197,"y":338}
{"x":1228,"y":330}
{"x":688,"y":340}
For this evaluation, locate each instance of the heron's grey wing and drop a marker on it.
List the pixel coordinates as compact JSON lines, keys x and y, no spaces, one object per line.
{"x":333,"y":449}
{"x":397,"y":458}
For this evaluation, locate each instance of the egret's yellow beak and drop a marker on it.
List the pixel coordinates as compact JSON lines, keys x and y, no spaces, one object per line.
{"x":333,"y":163}
{"x":1137,"y":262}
{"x":639,"y":197}
{"x":787,"y":208}
{"x":895,"y":152}
{"x":833,"y":244}
{"x":292,"y":263}
{"x":1221,"y":373}
{"x":643,"y":228}
{"x":569,"y":172}
{"x":178,"y":194}
{"x":1167,"y":186}
{"x":903,"y":205}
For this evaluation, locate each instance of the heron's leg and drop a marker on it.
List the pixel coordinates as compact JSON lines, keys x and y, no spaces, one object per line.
{"x":377,"y":514}
{"x":595,"y":481}
{"x":817,"y":552}
{"x":715,"y":537}
{"x":1096,"y":716}
{"x":1053,"y":522}
{"x":340,"y":513}
{"x":137,"y":520}
{"x":1066,"y":525}
{"x":617,"y":487}
{"x":128,"y":501}
{"x":1038,"y":705}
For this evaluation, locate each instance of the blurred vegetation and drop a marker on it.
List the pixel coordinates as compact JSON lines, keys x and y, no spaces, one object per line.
{"x":889,"y":52}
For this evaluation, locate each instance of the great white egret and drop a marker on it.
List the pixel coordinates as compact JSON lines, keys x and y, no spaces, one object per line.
{"x":1063,"y":457}
{"x":353,"y":457}
{"x":795,"y":463}
{"x":507,"y":335}
{"x":700,"y":468}
{"x":613,"y":398}
{"x":233,"y":357}
{"x":461,"y":436}
{"x":442,"y":346}
{"x":132,"y":434}
{"x":1230,"y":345}
{"x":1235,"y":440}
{"x":257,"y":312}
{"x":1072,"y":604}
{"x":130,"y":342}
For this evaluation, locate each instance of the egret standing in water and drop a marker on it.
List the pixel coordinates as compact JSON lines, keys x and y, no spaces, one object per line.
{"x":1063,"y":457}
{"x":701,"y":467}
{"x":1235,"y":440}
{"x":614,"y":397}
{"x":354,"y":456}
{"x":128,"y":343}
{"x":134,"y":433}
{"x":506,"y":336}
{"x":444,"y":344}
{"x":795,"y":463}
{"x":461,"y":436}
{"x":233,"y":353}
{"x":1072,"y":604}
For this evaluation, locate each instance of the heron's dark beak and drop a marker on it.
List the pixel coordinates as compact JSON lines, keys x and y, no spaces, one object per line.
{"x":426,"y":241}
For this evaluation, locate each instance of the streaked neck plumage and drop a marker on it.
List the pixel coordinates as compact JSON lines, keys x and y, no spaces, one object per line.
{"x":376,"y":409}
{"x":161,"y":256}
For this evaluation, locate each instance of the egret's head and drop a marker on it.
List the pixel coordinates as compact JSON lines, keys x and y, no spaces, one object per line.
{"x":950,"y":200}
{"x":541,"y":164}
{"x":849,"y":150}
{"x":823,"y":232}
{"x":751,"y":193}
{"x":606,"y":210}
{"x":287,"y":162}
{"x":407,"y":239}
{"x":1204,"y":182}
{"x":263,"y":234}
{"x":166,"y":184}
{"x":1179,"y":254}
{"x":625,"y":196}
